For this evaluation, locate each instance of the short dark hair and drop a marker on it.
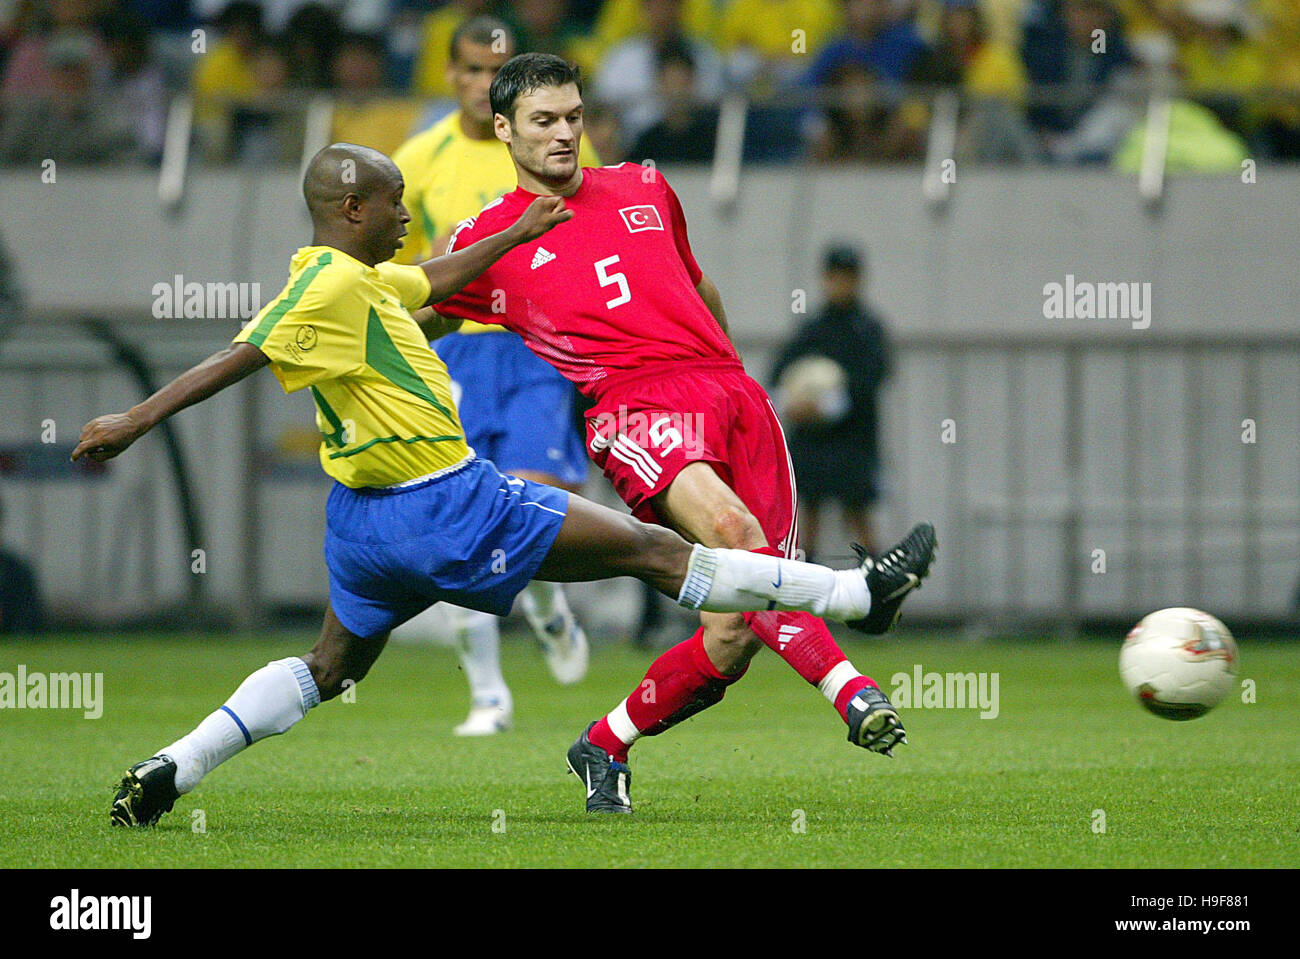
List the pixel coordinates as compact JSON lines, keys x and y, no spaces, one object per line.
{"x":521,"y":75}
{"x":481,"y":30}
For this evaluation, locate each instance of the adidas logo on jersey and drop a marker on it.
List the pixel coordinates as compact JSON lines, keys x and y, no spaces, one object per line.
{"x":542,"y":257}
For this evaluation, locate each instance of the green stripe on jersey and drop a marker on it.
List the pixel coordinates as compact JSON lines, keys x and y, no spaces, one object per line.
{"x":290,"y":300}
{"x":442,"y":145}
{"x":339,"y":435}
{"x":394,"y":439}
{"x":383,"y":356}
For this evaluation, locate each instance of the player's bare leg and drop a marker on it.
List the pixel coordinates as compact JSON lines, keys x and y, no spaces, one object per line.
{"x":561,"y":636}
{"x":269,"y":702}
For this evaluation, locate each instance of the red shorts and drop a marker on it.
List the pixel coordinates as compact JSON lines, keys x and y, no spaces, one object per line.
{"x":649,"y":424}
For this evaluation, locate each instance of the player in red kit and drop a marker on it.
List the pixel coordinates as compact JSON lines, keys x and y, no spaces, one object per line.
{"x":615,"y":300}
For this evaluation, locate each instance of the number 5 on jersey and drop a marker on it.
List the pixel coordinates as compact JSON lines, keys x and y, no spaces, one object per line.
{"x":613,"y":279}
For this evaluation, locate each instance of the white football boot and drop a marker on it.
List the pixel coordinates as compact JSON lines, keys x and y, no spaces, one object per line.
{"x":486,"y":720}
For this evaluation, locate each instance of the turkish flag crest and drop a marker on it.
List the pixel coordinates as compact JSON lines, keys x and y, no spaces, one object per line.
{"x":640,"y":218}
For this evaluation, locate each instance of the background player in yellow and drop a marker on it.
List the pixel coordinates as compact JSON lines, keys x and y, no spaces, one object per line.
{"x":518,"y":411}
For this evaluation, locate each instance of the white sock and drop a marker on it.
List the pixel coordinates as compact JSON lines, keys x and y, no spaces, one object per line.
{"x":737,"y":580}
{"x":478,"y":640}
{"x":621,"y":725}
{"x":541,"y":603}
{"x":267,"y":703}
{"x":834,"y":681}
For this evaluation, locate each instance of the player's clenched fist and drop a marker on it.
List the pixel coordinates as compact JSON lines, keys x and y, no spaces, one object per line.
{"x":106,"y":436}
{"x":542,"y":214}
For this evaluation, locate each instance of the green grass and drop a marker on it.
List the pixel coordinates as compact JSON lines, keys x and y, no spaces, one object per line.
{"x":382,"y":782}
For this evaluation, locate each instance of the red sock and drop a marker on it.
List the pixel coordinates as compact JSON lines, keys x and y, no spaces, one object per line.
{"x":679,"y":684}
{"x":851,"y":689}
{"x":801,"y":639}
{"x":806,"y":643}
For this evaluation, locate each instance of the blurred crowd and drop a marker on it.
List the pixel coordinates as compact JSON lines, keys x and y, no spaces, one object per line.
{"x":1065,"y":81}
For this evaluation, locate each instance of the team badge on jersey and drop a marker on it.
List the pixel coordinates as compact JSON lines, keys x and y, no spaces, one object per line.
{"x":639,"y":218}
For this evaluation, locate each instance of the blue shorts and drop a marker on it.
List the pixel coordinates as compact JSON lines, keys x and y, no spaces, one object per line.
{"x":472,"y":537}
{"x":516,"y":409}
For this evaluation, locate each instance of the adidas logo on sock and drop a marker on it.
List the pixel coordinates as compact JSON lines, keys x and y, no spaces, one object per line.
{"x":542,"y":257}
{"x":785,"y":634}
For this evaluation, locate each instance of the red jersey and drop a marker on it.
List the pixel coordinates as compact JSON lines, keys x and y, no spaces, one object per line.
{"x":607,"y":292}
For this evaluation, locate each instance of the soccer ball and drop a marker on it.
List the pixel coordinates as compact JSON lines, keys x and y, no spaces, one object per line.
{"x":1179,"y":662}
{"x":814,"y":389}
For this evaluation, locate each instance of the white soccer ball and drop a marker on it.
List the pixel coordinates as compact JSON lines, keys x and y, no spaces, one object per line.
{"x":1179,"y":662}
{"x":814,"y":388}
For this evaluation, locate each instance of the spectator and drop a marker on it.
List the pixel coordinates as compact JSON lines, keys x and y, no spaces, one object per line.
{"x":262,"y":129}
{"x":544,"y":28}
{"x":990,"y":77}
{"x":627,"y":78}
{"x":1197,"y":143}
{"x":1076,"y":50}
{"x":1223,"y":65}
{"x":834,"y":420}
{"x":1280,"y":132}
{"x":688,"y":130}
{"x":224,"y":76}
{"x":21,"y":610}
{"x":135,"y":81}
{"x":311,"y":39}
{"x":760,"y":39}
{"x":861,"y":121}
{"x":621,"y":20}
{"x":29,"y":70}
{"x":875,"y":38}
{"x":72,"y":123}
{"x":364,"y":113}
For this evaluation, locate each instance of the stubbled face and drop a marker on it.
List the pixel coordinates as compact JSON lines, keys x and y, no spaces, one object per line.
{"x":546,"y":133}
{"x":471,"y":73}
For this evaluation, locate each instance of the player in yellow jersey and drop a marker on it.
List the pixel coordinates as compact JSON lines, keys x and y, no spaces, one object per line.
{"x":414,"y":517}
{"x":518,"y":410}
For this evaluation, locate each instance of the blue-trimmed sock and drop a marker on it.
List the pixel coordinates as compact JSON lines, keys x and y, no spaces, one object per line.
{"x":267,"y":703}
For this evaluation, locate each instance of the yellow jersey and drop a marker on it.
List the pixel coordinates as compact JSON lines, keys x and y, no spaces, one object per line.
{"x":383,"y":397}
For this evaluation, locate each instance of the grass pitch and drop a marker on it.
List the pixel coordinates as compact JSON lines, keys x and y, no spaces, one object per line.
{"x":763,"y":779}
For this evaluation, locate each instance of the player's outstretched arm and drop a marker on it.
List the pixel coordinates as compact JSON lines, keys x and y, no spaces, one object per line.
{"x":106,"y":436}
{"x":451,"y":273}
